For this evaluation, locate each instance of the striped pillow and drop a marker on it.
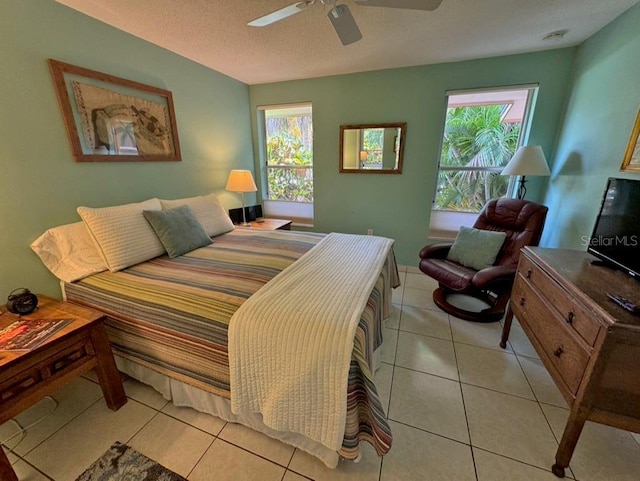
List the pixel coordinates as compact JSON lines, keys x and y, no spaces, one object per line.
{"x":208,"y":210}
{"x":122,"y":234}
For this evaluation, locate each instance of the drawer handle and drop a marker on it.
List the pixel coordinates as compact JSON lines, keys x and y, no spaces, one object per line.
{"x":558,"y":352}
{"x":522,"y":301}
{"x":570,"y":317}
{"x":529,"y":272}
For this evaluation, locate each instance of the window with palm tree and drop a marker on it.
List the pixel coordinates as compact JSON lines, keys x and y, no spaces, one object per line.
{"x":482,"y":132}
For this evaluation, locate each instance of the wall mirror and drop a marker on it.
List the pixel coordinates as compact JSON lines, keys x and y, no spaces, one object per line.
{"x":372,"y":148}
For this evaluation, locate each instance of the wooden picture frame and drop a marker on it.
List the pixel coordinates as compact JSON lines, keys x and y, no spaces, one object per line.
{"x":351,"y":159}
{"x":631,"y":161}
{"x":111,"y":119}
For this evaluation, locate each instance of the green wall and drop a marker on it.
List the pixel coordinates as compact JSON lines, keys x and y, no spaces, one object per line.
{"x":398,"y":206}
{"x":602,"y":107}
{"x":41,"y":185}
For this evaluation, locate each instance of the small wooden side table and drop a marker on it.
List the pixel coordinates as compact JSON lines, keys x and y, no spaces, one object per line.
{"x":82,"y":345}
{"x":269,"y":224}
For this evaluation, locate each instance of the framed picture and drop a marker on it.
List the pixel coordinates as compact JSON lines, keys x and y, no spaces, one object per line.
{"x":111,"y":119}
{"x":631,"y":162}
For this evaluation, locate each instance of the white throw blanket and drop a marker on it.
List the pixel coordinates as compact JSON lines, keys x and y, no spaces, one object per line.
{"x":290,"y":343}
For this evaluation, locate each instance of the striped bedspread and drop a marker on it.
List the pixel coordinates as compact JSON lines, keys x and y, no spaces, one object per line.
{"x":172,"y":315}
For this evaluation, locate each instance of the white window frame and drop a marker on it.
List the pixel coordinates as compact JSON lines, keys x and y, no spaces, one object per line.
{"x":300,"y":213}
{"x":378,"y":166}
{"x":445,"y":224}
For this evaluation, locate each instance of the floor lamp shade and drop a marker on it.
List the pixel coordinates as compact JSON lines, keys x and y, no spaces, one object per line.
{"x":528,"y":160}
{"x":241,"y":181}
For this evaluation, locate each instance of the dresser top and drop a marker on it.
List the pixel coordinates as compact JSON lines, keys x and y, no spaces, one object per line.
{"x":574,"y":270}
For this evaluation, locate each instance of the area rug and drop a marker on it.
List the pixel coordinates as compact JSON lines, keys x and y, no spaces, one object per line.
{"x":122,"y":463}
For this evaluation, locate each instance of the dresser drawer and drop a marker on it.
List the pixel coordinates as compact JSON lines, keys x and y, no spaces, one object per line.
{"x":563,"y":348}
{"x":568,"y":308}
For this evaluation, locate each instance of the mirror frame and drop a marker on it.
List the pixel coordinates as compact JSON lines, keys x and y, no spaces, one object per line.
{"x":395,"y":125}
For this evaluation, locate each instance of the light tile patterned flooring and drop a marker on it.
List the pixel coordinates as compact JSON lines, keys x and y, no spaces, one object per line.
{"x":460,"y":409}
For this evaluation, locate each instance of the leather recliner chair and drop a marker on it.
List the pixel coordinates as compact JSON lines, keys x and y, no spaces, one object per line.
{"x":523,"y":222}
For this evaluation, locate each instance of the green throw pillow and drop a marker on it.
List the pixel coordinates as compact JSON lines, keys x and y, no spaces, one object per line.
{"x":476,"y":248}
{"x":178,"y":230}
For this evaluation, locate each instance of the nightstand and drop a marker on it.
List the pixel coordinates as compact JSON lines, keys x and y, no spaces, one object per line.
{"x":28,"y":376}
{"x":269,"y":224}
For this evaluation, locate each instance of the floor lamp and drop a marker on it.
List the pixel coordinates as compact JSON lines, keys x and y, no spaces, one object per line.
{"x":527,"y":160}
{"x":241,"y":181}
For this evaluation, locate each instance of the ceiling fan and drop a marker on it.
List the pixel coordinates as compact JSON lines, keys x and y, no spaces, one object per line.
{"x":340,"y":15}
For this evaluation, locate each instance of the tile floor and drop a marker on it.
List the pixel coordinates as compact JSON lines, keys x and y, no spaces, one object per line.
{"x":460,"y":408}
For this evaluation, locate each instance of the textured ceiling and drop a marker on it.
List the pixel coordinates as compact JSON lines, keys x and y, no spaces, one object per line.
{"x":214,"y":32}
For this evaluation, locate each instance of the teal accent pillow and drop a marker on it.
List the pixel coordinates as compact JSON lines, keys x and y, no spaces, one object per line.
{"x":178,"y":230}
{"x":476,"y":248}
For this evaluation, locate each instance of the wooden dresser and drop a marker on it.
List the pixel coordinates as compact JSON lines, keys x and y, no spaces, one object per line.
{"x":589,"y":344}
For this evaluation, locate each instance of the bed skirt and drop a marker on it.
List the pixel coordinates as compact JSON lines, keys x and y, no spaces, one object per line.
{"x":185,"y":395}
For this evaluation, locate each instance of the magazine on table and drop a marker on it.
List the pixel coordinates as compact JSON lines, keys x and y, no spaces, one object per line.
{"x":27,"y":334}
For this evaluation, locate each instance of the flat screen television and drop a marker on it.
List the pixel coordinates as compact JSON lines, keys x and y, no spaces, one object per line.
{"x":616,"y":234}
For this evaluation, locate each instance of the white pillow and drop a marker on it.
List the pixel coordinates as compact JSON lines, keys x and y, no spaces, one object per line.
{"x":208,"y":210}
{"x":69,"y":252}
{"x":122,"y":234}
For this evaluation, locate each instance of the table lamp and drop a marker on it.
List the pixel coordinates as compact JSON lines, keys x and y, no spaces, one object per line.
{"x":528,"y":160}
{"x":363,"y":157}
{"x":241,"y":181}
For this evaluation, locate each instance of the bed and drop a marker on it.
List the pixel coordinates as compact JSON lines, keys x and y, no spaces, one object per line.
{"x":168,"y":320}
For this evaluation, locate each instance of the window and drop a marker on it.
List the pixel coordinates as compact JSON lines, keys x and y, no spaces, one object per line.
{"x":371,"y":148}
{"x":483,"y":129}
{"x":287,"y":141}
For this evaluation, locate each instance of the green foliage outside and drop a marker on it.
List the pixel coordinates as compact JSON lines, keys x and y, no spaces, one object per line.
{"x":290,"y":159}
{"x":474,"y":137}
{"x":372,"y":143}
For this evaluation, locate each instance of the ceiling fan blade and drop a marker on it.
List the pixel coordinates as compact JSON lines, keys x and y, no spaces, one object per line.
{"x":344,"y":24}
{"x":280,"y":14}
{"x":410,"y":4}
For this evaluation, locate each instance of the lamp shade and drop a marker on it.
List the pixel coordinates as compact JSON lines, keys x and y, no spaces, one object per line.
{"x":241,"y":181}
{"x":528,"y":160}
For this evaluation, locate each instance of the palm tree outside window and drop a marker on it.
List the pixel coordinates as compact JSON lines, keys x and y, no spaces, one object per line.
{"x":483,"y":129}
